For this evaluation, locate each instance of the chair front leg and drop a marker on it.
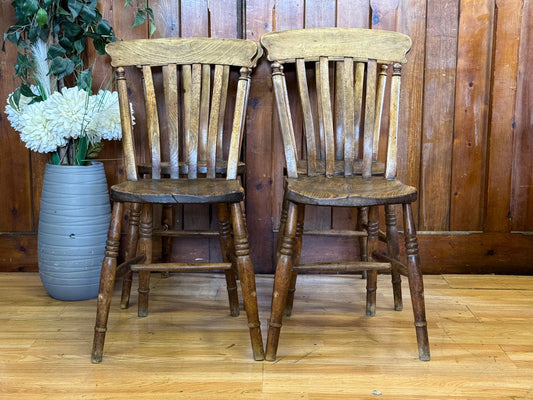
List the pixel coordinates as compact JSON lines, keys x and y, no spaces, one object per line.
{"x":226,"y":246}
{"x":393,"y":251}
{"x":145,"y":247}
{"x":132,"y":239}
{"x":416,"y":284}
{"x":295,"y":259}
{"x":372,"y":245}
{"x":107,"y":282}
{"x":247,"y":279}
{"x":282,"y":280}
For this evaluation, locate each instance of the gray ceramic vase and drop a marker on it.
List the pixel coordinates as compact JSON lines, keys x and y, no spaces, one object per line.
{"x":73,"y":224}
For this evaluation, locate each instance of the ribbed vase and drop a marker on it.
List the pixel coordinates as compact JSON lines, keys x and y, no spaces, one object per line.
{"x":73,"y":224}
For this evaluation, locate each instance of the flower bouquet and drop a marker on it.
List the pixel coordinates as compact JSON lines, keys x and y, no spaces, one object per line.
{"x":69,"y":123}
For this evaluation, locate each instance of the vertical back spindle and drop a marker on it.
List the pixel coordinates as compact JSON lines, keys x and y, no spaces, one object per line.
{"x":308,"y":124}
{"x":392,"y":147}
{"x":170,"y":80}
{"x":152,"y":121}
{"x":348,"y":115}
{"x":327,"y":115}
{"x":370,"y":104}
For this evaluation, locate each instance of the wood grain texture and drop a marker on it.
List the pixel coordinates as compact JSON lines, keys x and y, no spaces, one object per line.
{"x":386,"y":47}
{"x":522,"y":179}
{"x":429,"y":113}
{"x":198,"y":351}
{"x":437,"y":133}
{"x":471,"y":111}
{"x":502,"y":119}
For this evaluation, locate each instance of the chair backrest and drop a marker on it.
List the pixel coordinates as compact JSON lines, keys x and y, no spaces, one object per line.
{"x":343,"y":82}
{"x":192,"y":101}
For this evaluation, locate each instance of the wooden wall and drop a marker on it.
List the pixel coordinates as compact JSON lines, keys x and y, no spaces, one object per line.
{"x":467,"y":103}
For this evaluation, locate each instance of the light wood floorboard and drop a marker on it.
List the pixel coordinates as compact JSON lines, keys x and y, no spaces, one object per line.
{"x":480,"y":329}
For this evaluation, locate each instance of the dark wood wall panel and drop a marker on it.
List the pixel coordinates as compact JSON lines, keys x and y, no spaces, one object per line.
{"x":467,"y":104}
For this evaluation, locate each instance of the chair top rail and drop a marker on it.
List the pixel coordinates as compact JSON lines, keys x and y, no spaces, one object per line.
{"x":163,"y":51}
{"x":361,"y":44}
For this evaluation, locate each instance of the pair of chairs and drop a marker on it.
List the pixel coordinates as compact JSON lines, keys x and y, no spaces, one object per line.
{"x":332,"y":130}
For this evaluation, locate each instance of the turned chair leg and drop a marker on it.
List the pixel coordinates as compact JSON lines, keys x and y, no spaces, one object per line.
{"x":281,"y":282}
{"x":416,"y":285}
{"x":393,"y":251}
{"x":107,"y":282}
{"x":132,"y":238}
{"x":247,"y":279}
{"x":295,"y":259}
{"x":167,"y":222}
{"x":362,"y":222}
{"x":372,"y":245}
{"x":227,"y":246}
{"x":145,"y":247}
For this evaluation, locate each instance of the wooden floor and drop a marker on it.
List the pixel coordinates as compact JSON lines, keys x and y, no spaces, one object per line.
{"x":480,"y":328}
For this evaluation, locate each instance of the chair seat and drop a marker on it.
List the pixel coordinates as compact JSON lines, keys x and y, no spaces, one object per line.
{"x":168,"y":191}
{"x":353,"y":191}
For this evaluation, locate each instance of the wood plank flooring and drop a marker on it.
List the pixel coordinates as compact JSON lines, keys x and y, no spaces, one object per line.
{"x":480,"y":328}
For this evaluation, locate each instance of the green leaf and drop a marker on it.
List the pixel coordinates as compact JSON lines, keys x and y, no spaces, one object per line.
{"x":75,"y":7}
{"x":66,"y":43}
{"x":56,"y":51}
{"x":25,"y":91}
{"x":94,"y":150}
{"x":15,"y":98}
{"x":99,"y":45}
{"x":79,"y":45}
{"x":140,"y":17}
{"x":81,"y":150}
{"x":61,"y":67}
{"x":72,"y":30}
{"x":103,"y":28}
{"x":88,"y":15}
{"x":28,"y":7}
{"x":13,"y":37}
{"x":23,"y":61}
{"x":85,"y":80}
{"x":127,"y":3}
{"x":41,"y":17}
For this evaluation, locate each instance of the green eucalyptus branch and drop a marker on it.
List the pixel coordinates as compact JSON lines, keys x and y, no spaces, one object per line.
{"x":143,"y":14}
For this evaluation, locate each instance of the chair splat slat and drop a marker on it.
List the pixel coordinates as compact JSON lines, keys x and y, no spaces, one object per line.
{"x":186,"y":73}
{"x":170,"y":80}
{"x":358,"y":103}
{"x":380,"y":98}
{"x":237,"y":128}
{"x":392,"y":147}
{"x":339,"y":110}
{"x":284,"y":112}
{"x":321,"y":136}
{"x":370,"y":104}
{"x":325,"y":103}
{"x":348,"y":115}
{"x":223,"y":100}
{"x":126,"y":123}
{"x":214,"y":118}
{"x":204,"y":112}
{"x":152,"y":121}
{"x":196,"y":89}
{"x":309,"y":126}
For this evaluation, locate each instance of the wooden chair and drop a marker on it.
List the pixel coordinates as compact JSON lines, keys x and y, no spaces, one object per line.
{"x":201,"y":112}
{"x":340,"y":153}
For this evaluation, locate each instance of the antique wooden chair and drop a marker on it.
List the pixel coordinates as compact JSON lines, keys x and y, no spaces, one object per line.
{"x":340,"y":151}
{"x":194,"y":131}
